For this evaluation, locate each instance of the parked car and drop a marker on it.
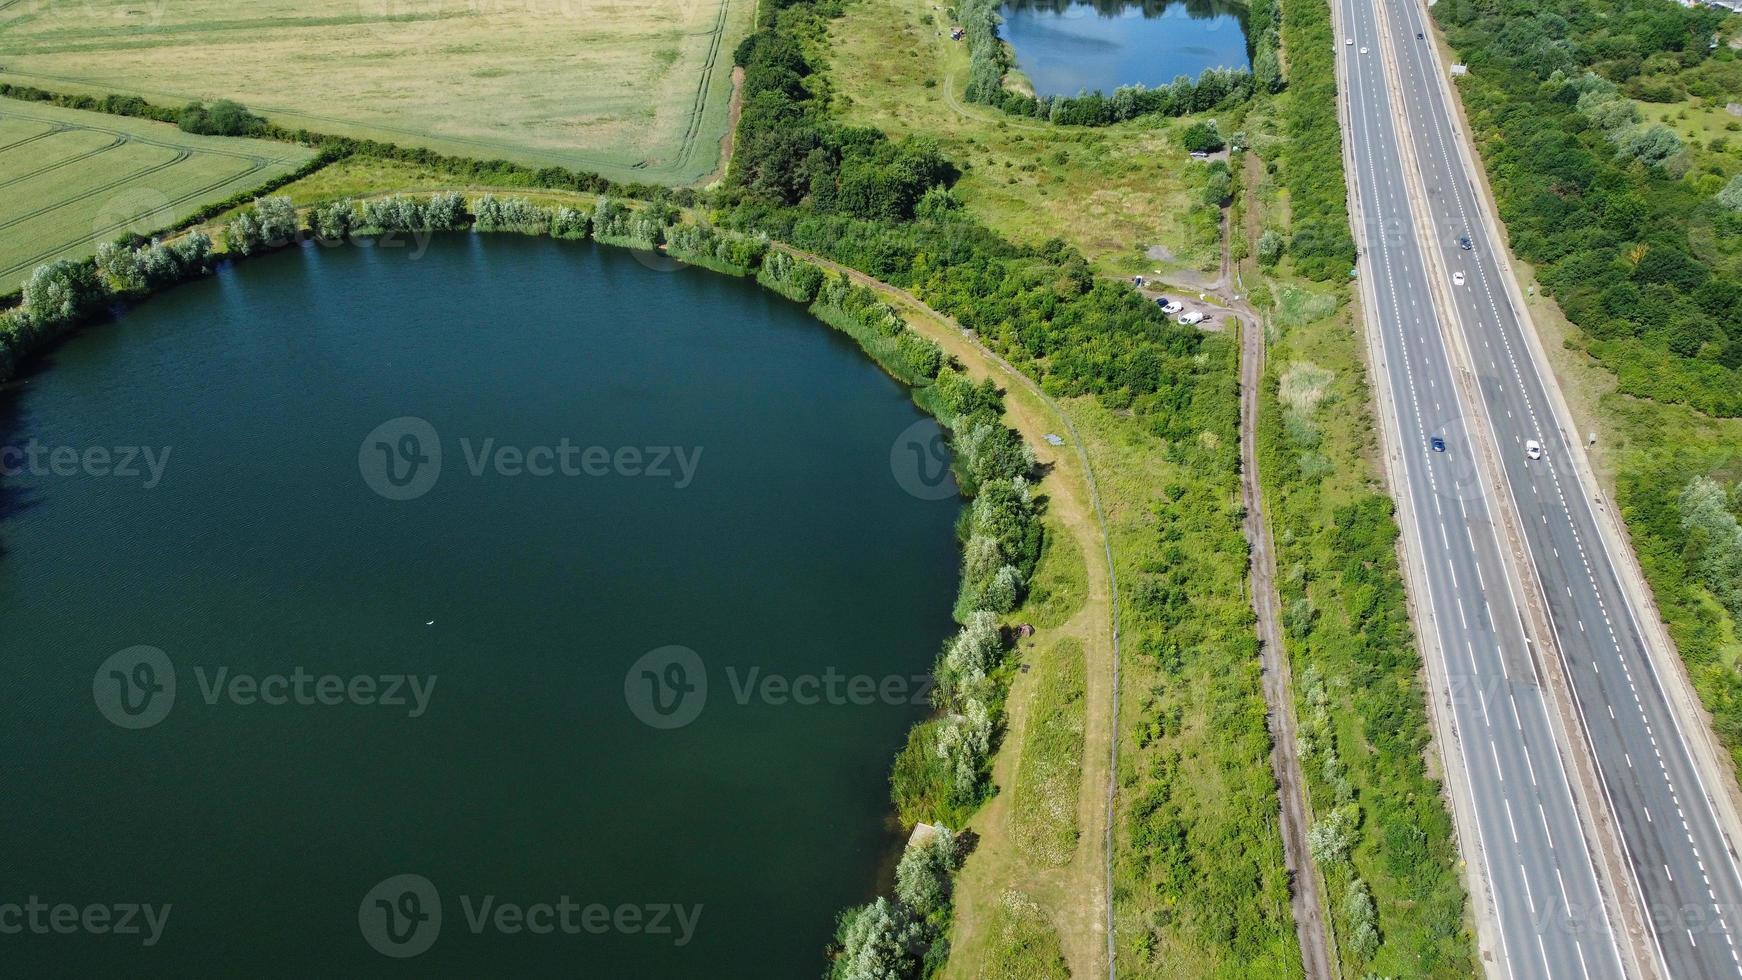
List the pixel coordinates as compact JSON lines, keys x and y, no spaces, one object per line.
{"x":1437,"y":444}
{"x":1172,"y":306}
{"x":1190,"y":318}
{"x":1533,"y":449}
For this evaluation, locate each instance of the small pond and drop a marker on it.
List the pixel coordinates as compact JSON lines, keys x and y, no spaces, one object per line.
{"x":1067,"y":47}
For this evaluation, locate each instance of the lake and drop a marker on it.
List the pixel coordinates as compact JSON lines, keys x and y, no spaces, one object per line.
{"x":1067,"y":47}
{"x":368,"y":663}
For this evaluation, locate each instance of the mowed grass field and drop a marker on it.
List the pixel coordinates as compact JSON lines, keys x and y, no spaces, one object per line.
{"x":70,"y":180}
{"x":632,"y":89}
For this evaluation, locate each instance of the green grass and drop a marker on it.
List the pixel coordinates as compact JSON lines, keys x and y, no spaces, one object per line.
{"x":86,"y":178}
{"x":1060,"y":583}
{"x":1111,"y":191}
{"x":633,"y":90}
{"x":1198,"y":879}
{"x":1043,"y":813}
{"x":1024,"y":945}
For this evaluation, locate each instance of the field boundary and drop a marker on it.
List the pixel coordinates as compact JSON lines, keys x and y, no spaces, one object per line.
{"x":680,"y":169}
{"x":265,"y":156}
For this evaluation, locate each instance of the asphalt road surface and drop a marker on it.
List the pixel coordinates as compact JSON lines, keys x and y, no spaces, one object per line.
{"x":1683,"y":866}
{"x":1535,"y":856}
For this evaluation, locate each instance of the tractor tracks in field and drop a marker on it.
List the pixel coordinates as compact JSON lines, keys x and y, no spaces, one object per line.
{"x":75,"y":158}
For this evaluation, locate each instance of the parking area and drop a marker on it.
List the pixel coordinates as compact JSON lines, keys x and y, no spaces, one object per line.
{"x":1188,"y":309}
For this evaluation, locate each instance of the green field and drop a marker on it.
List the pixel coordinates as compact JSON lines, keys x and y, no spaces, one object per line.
{"x":632,"y":89}
{"x":70,"y":180}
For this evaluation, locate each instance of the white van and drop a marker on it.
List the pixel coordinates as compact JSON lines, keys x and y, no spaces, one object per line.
{"x":1191,"y":318}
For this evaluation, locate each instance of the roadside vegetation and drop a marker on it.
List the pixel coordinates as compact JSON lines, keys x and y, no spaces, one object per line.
{"x":1382,"y":838}
{"x":1618,"y":172}
{"x":1630,"y":226}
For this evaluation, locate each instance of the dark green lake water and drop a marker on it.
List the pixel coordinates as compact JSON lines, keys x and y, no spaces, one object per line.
{"x":528,"y":777}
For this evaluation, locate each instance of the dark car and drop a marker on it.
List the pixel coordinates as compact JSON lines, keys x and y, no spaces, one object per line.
{"x":1464,"y":243}
{"x":1438,"y":444}
{"x":1418,"y":36}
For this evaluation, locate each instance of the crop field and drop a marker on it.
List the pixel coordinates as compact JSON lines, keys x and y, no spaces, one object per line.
{"x":70,"y":180}
{"x":632,"y":89}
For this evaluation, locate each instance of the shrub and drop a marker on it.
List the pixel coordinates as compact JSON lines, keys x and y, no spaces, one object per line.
{"x":491,"y":213}
{"x":335,"y":221}
{"x":270,"y":223}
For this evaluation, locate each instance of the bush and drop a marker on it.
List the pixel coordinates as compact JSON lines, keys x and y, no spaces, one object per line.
{"x":335,"y":221}
{"x":879,"y":941}
{"x":127,"y":269}
{"x":491,"y":213}
{"x":61,"y":294}
{"x":221,"y":118}
{"x":1202,"y":138}
{"x":793,"y":278}
{"x":1270,"y":245}
{"x":922,"y":879}
{"x":271,"y":223}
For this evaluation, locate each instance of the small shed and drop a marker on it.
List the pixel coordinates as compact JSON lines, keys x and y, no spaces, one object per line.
{"x":1460,"y":69}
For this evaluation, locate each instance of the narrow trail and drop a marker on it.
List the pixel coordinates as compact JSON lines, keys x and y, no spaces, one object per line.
{"x":1306,"y":893}
{"x":956,"y":338}
{"x":1296,"y":812}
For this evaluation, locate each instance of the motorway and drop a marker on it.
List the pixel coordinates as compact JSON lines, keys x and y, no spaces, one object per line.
{"x":1682,"y":866}
{"x":1533,"y":849}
